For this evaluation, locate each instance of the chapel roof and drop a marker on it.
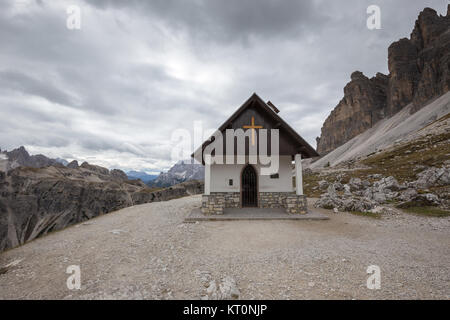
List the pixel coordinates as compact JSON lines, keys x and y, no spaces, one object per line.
{"x":299,"y":144}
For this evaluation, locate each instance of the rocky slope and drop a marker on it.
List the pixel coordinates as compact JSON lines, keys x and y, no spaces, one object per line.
{"x":419,"y":71}
{"x":35,"y":201}
{"x":182,"y":171}
{"x":411,"y":174}
{"x":403,"y":126}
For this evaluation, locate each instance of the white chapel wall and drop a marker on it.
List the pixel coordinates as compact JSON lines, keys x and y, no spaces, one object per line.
{"x":221,"y":173}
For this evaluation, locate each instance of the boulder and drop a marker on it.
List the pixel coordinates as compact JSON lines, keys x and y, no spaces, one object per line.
{"x":331,"y":190}
{"x":408,"y":194}
{"x":333,"y":201}
{"x":355,"y":184}
{"x":323,"y":184}
{"x":421,"y":200}
{"x":360,"y":204}
{"x":432,"y":177}
{"x":335,"y":186}
{"x":389,"y":183}
{"x":329,"y":201}
{"x":347,"y":189}
{"x":383,"y":190}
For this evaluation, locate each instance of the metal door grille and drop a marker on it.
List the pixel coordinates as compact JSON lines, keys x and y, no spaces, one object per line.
{"x":249,"y":187}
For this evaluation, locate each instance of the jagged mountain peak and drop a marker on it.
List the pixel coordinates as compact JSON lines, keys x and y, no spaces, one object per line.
{"x":181,"y":171}
{"x":418,"y":72}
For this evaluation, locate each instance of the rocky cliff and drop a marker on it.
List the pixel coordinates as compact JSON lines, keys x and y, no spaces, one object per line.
{"x":419,"y":71}
{"x":363,"y":105}
{"x":35,"y":201}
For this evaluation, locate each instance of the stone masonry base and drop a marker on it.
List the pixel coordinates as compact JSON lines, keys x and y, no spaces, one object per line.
{"x":216,"y":202}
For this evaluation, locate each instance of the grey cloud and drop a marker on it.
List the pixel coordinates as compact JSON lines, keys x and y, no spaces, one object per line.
{"x":43,"y":88}
{"x":128,"y":78}
{"x":228,"y":20}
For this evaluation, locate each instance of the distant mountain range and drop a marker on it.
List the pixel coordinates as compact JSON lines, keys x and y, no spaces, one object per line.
{"x":21,"y":158}
{"x":146,"y":178}
{"x":182,"y":171}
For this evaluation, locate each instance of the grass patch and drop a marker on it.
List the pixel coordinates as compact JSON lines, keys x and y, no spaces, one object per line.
{"x":311,"y":182}
{"x":311,"y":185}
{"x":401,"y":162}
{"x":428,"y":211}
{"x":367,"y":214}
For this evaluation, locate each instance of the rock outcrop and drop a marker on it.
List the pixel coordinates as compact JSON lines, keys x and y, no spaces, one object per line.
{"x":119,"y":174}
{"x":363,"y":105}
{"x":363,"y":196}
{"x":419,"y":70}
{"x":36,"y":201}
{"x":433,"y":177}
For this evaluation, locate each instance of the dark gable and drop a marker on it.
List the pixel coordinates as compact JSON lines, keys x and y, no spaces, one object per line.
{"x":265,"y":115}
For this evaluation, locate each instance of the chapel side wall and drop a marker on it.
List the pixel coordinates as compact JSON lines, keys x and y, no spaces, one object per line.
{"x":220,"y":175}
{"x":284,"y":181}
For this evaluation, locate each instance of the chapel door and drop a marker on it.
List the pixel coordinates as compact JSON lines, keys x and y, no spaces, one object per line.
{"x":249,"y":191}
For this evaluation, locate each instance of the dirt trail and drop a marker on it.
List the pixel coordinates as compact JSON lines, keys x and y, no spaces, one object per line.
{"x":152,"y":254}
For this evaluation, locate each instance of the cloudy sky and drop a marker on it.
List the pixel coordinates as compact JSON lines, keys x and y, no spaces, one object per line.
{"x":114,"y":91}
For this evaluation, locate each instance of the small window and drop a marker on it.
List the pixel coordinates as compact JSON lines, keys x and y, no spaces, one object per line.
{"x":230,"y":182}
{"x":274,"y":176}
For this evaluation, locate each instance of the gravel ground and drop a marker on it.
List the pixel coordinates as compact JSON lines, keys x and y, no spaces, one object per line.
{"x":152,"y":254}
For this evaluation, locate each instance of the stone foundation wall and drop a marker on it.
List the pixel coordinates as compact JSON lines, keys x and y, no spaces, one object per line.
{"x":216,"y":202}
{"x":296,"y":204}
{"x":272,"y":199}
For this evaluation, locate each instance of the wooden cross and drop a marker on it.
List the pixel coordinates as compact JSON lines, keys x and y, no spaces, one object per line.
{"x":253,"y":127}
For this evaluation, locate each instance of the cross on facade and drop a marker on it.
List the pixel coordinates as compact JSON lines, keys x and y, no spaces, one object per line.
{"x":253,"y":127}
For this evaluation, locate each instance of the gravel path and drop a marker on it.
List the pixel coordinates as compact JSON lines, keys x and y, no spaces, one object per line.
{"x":151,"y":254}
